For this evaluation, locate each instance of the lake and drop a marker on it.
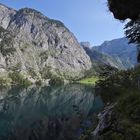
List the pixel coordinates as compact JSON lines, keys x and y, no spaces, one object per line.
{"x":47,"y":113}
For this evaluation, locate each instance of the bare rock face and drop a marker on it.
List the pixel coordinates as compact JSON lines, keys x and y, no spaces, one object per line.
{"x":105,"y":121}
{"x":38,"y":46}
{"x":5,"y":15}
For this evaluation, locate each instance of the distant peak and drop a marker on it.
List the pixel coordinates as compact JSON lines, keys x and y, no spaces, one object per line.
{"x":85,"y":44}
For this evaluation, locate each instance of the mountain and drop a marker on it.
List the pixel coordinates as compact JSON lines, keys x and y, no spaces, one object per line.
{"x":38,"y":47}
{"x":102,"y":64}
{"x":99,"y":57}
{"x":121,"y":50}
{"x":117,"y":53}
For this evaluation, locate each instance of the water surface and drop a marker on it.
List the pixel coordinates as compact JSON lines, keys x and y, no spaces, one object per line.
{"x":47,"y":113}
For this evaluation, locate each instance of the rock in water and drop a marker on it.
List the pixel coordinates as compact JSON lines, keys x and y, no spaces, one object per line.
{"x":39,"y":47}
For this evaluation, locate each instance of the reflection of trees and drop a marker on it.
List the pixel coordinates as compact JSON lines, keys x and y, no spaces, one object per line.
{"x":39,"y":113}
{"x":45,"y":128}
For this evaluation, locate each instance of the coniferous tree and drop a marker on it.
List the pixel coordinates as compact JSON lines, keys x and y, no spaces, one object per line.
{"x":132,"y":32}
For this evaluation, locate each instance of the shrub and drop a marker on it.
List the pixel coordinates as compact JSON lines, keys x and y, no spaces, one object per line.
{"x":4,"y":81}
{"x":39,"y":83}
{"x":19,"y":79}
{"x":56,"y":81}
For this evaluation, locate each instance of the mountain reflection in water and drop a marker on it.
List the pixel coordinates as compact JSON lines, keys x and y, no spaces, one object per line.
{"x":46,"y":113}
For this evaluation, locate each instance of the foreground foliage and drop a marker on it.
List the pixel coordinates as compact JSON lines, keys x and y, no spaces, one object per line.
{"x":123,"y":89}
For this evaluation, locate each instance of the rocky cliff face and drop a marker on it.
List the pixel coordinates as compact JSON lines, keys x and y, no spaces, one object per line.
{"x":39,"y":47}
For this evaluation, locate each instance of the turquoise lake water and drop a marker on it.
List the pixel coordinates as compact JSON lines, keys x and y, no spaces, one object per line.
{"x":47,"y":113}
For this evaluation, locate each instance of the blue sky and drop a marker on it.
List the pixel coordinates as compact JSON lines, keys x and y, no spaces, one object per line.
{"x":89,"y":20}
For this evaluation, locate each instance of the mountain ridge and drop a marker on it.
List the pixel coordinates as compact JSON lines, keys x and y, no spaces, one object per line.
{"x":38,"y":47}
{"x":117,"y":53}
{"x":121,"y":50}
